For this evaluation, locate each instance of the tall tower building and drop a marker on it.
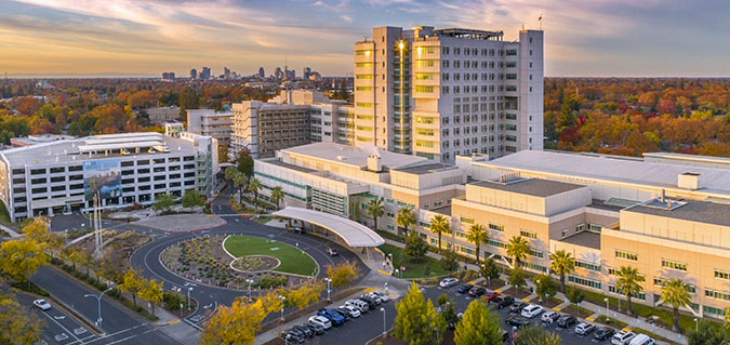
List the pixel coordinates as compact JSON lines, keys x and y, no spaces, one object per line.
{"x":193,"y":73}
{"x":439,"y":93}
{"x":262,"y":73}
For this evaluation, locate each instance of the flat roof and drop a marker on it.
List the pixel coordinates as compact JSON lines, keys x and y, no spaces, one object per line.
{"x":355,"y":155}
{"x":426,"y":168}
{"x":695,"y":211}
{"x":353,"y":233}
{"x":446,"y":210}
{"x":585,"y":239}
{"x":277,"y":162}
{"x":659,"y":175}
{"x":534,"y":187}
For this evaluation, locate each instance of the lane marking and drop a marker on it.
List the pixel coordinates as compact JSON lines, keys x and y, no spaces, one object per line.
{"x":64,"y":328}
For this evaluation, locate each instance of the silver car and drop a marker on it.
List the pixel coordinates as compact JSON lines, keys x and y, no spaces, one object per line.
{"x":448,"y":282}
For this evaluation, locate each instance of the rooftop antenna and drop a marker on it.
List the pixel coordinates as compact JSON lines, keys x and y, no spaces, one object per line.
{"x":540,"y":20}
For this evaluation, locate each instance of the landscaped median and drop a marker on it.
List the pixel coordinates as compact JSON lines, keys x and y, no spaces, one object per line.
{"x":416,"y":268}
{"x":292,"y":260}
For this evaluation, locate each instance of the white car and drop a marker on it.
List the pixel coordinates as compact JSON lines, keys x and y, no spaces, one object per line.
{"x":448,"y":282}
{"x":531,"y":311}
{"x":642,"y":339}
{"x":362,"y":306}
{"x":584,"y":328}
{"x":42,"y":304}
{"x":321,"y":321}
{"x":622,"y":338}
{"x":383,"y":296}
{"x":354,"y":312}
{"x":550,"y":316}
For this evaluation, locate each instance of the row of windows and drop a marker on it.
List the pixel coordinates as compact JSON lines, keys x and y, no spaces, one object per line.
{"x":660,"y":282}
{"x":674,"y":265}
{"x":588,"y":266}
{"x":626,"y":255}
{"x":528,"y":234}
{"x":612,"y":289}
{"x":585,"y":282}
{"x":725,"y":296}
{"x":475,"y":89}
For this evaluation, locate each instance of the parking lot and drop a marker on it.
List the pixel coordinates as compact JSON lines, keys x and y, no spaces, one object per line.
{"x":61,"y":328}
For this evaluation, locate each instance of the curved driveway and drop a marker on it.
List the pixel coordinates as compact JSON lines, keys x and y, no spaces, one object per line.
{"x":147,"y":258}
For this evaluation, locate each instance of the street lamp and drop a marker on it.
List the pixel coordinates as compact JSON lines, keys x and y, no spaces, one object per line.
{"x":189,"y":289}
{"x":697,"y":324}
{"x":384,"y":330}
{"x":98,"y":300}
{"x":537,"y":283}
{"x":286,"y":339}
{"x":249,"y":281}
{"x":282,"y":298}
{"x":329,"y":290}
{"x":608,"y":318}
{"x":385,"y":287}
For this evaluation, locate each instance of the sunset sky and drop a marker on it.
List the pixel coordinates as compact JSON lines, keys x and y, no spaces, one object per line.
{"x":133,"y":37}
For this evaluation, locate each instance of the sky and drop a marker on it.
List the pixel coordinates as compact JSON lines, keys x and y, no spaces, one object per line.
{"x":603,"y":38}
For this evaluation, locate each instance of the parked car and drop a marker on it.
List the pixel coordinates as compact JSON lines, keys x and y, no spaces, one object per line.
{"x":517,"y":321}
{"x":369,"y":300}
{"x":517,"y":306}
{"x":566,"y":321}
{"x":292,"y":337}
{"x":41,"y":304}
{"x":321,"y":321}
{"x":622,"y":338}
{"x":364,"y":307}
{"x":604,"y":333}
{"x":584,"y":328}
{"x":642,"y":339}
{"x":464,"y":288}
{"x":375,"y":298}
{"x":383,"y":296}
{"x":448,"y":282}
{"x":306,"y":330}
{"x":531,"y":311}
{"x":550,"y":316}
{"x":353,"y":312}
{"x":503,"y":301}
{"x":317,"y":329}
{"x":332,"y":315}
{"x":332,"y":252}
{"x":344,"y":313}
{"x":477,"y":291}
{"x":490,"y":296}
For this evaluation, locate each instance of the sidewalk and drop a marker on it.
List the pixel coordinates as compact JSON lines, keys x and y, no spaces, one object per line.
{"x":11,"y":232}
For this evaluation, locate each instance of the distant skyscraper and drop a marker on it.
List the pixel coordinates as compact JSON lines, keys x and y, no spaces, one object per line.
{"x":262,"y":73}
{"x":168,"y":75}
{"x":279,"y":74}
{"x":290,"y":74}
{"x":205,"y":73}
{"x":193,"y":73}
{"x":306,"y":73}
{"x":226,"y":73}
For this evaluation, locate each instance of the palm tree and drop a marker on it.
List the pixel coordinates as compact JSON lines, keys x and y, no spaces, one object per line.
{"x":477,"y":235}
{"x":562,"y":264}
{"x":231,"y":173}
{"x":375,"y":209}
{"x":518,"y":247}
{"x":255,"y":186}
{"x":406,"y":217}
{"x":629,"y":282}
{"x":440,"y":225}
{"x":676,"y":293}
{"x":239,"y":181}
{"x":277,"y":194}
{"x":727,"y":317}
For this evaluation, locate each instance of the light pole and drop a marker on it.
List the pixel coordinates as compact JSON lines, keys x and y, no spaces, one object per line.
{"x":282,"y":298}
{"x":385,"y":287}
{"x":329,"y":290}
{"x":697,"y":324}
{"x":250,"y":282}
{"x":286,"y":339}
{"x":189,"y":289}
{"x":384,"y":330}
{"x":608,"y":318}
{"x":537,"y":283}
{"x":98,"y":300}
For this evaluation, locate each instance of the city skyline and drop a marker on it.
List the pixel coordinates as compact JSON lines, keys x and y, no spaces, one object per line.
{"x":144,"y":38}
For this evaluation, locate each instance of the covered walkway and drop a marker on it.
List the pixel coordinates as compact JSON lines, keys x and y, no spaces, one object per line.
{"x":354,"y":234}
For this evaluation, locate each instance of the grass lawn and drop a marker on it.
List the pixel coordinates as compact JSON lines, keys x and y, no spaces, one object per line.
{"x":414,"y":268}
{"x":293,"y":260}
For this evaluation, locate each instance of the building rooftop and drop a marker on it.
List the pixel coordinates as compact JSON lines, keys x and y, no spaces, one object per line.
{"x":357,"y":156}
{"x":426,"y":168}
{"x":585,"y":239}
{"x":277,"y":162}
{"x":616,"y":169}
{"x":446,"y":210}
{"x":534,"y":187}
{"x":695,"y":211}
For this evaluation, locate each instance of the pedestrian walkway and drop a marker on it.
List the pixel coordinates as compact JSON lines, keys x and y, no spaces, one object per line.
{"x":12,"y":233}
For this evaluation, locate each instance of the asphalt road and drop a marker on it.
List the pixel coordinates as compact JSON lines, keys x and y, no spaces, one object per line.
{"x":120,"y":325}
{"x":60,"y":327}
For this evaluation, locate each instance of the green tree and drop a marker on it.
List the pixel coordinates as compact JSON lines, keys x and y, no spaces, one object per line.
{"x":416,"y":246}
{"x":545,"y":287}
{"x":707,"y":334}
{"x":230,"y":173}
{"x":163,"y":202}
{"x":240,"y":181}
{"x":676,"y":293}
{"x":449,"y":261}
{"x":479,"y":326}
{"x":133,"y":283}
{"x":562,"y":264}
{"x":343,"y":275}
{"x":490,"y":270}
{"x":277,"y":195}
{"x":575,"y":295}
{"x":235,"y":325}
{"x":536,"y":335}
{"x":38,"y":231}
{"x":245,"y":162}
{"x":304,"y":295}
{"x":406,"y":218}
{"x":477,"y":235}
{"x":415,"y":318}
{"x":152,"y":292}
{"x":439,"y":226}
{"x":517,"y":278}
{"x":17,"y":326}
{"x":255,"y":187}
{"x":376,"y":210}
{"x":629,"y":283}
{"x":192,"y":198}
{"x":518,"y":247}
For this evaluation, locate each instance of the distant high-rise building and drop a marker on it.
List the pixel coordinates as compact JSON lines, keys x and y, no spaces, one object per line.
{"x":262,"y":73}
{"x":440,"y":93}
{"x":290,"y":74}
{"x":205,"y":73}
{"x":168,"y":75}
{"x":306,"y":73}
{"x":226,"y":73}
{"x":279,"y":74}
{"x":193,"y":73}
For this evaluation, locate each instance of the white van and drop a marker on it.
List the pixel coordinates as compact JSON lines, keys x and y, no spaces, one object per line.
{"x":642,"y":339}
{"x":531,"y":311}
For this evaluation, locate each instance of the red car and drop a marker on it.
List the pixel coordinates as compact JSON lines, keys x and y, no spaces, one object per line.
{"x":490,"y":296}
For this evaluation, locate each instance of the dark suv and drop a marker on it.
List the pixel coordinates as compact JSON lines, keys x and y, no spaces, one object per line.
{"x":567,"y":321}
{"x":464,"y":288}
{"x":503,"y":301}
